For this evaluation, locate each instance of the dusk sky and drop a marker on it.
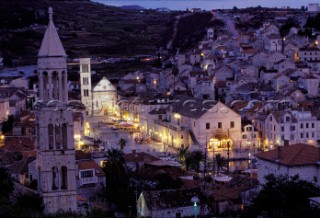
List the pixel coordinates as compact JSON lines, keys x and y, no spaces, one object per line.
{"x":208,"y":4}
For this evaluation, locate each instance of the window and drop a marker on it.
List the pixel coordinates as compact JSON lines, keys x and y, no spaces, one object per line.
{"x":301,"y":135}
{"x":292,"y":128}
{"x":85,"y":81}
{"x":312,"y":134}
{"x":50,"y":134}
{"x":86,"y":173}
{"x":287,"y":119}
{"x":244,"y":136}
{"x":249,"y":129}
{"x":312,"y":125}
{"x":307,"y":135}
{"x":207,"y":125}
{"x":282,"y":137}
{"x":301,"y":125}
{"x":194,"y":123}
{"x":254,"y":136}
{"x":232,"y":124}
{"x":57,"y":132}
{"x":282,"y":128}
{"x":55,"y":180}
{"x":181,"y":136}
{"x":159,"y":117}
{"x":291,"y":137}
{"x":307,"y":125}
{"x":86,"y":92}
{"x":64,"y":136}
{"x":270,"y":118}
{"x":274,"y":128}
{"x":64,"y":177}
{"x":219,"y":125}
{"x":85,"y":68}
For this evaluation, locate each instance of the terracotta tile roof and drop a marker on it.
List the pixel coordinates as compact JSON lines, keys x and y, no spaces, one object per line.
{"x":140,"y":157}
{"x":89,"y":164}
{"x":293,"y":155}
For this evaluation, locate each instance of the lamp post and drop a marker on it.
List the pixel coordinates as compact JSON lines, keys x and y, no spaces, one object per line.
{"x":195,"y":200}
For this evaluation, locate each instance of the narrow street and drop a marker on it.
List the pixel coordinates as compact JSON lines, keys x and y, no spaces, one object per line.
{"x":229,"y":23}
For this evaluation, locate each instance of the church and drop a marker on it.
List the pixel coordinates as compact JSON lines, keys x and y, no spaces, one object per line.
{"x":55,"y":162}
{"x":102,"y":98}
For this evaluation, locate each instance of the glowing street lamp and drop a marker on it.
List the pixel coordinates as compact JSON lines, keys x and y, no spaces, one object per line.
{"x":195,"y":200}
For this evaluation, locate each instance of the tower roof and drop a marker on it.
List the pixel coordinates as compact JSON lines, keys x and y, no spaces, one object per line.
{"x":51,"y":45}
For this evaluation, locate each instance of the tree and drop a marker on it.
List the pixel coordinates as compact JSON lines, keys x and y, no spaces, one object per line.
{"x":117,"y":179}
{"x":220,"y":161}
{"x":122,"y":143}
{"x":6,"y":183}
{"x":7,"y":125}
{"x":182,"y":154}
{"x":193,"y":160}
{"x":284,"y":196}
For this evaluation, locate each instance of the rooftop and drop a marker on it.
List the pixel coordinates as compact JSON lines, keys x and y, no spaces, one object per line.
{"x":292,"y":155}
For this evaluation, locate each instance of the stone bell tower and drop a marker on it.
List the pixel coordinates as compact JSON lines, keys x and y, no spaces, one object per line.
{"x":54,"y":118}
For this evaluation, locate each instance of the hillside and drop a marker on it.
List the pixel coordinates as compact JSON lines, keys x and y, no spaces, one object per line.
{"x":86,"y":29}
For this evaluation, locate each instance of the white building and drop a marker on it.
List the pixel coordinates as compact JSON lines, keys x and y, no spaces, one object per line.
{"x":297,"y":159}
{"x":55,"y":161}
{"x":292,"y":126}
{"x":313,"y":7}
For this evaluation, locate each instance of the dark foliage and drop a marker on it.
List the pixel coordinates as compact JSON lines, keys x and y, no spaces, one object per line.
{"x":7,"y":125}
{"x":284,"y":197}
{"x":191,"y":29}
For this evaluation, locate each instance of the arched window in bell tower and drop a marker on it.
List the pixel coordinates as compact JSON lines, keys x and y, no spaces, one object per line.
{"x":64,"y":177}
{"x":55,"y":178}
{"x":57,"y":131}
{"x":45,"y":85}
{"x":50,"y":136}
{"x":55,"y":85}
{"x":64,"y":136}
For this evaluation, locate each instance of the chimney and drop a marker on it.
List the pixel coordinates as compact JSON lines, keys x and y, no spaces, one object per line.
{"x":286,"y":143}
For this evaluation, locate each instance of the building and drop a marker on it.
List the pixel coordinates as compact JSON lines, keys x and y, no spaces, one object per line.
{"x":309,"y":54}
{"x":55,"y":161}
{"x":85,"y":81}
{"x":291,"y":126}
{"x":99,"y":100}
{"x":298,"y":159}
{"x":313,"y":7}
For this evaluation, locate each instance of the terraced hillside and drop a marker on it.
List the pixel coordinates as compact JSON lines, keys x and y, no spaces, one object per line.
{"x":85,"y":28}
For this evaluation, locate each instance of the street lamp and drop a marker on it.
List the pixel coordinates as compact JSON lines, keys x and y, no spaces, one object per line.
{"x":195,"y":200}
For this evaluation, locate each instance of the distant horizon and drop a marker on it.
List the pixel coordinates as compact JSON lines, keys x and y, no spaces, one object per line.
{"x":207,"y":4}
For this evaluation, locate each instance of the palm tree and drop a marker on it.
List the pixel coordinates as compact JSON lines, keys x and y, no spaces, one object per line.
{"x":182,"y":155}
{"x":220,"y":161}
{"x":193,"y":160}
{"x":122,"y":143}
{"x":117,"y":179}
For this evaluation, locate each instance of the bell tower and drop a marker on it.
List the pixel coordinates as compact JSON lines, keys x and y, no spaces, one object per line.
{"x":54,"y":119}
{"x":85,"y":81}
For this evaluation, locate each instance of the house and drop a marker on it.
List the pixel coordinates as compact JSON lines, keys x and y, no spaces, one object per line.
{"x":311,"y":84}
{"x":291,"y":126}
{"x":280,"y":81}
{"x":296,"y":159}
{"x":273,"y":42}
{"x":309,"y":54}
{"x":170,"y":203}
{"x":260,"y":59}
